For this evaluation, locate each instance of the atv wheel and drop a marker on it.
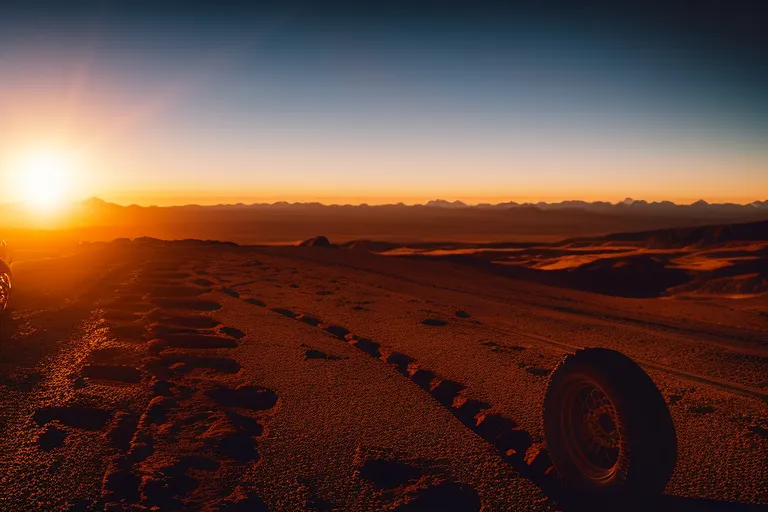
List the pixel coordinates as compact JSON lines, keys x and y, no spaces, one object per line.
{"x":5,"y":290}
{"x":607,"y":426}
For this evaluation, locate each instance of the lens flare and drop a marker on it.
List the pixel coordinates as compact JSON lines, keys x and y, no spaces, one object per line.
{"x":44,"y":179}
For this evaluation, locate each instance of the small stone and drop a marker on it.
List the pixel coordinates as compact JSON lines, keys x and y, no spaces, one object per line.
{"x":156,"y":346}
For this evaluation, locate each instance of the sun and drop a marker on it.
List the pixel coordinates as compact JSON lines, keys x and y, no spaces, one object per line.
{"x":44,"y":179}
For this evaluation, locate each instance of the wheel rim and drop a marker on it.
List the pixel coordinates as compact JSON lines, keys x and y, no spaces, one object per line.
{"x":590,"y":428}
{"x":5,"y":290}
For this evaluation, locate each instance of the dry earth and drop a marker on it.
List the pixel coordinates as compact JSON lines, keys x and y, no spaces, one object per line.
{"x":214,"y":377}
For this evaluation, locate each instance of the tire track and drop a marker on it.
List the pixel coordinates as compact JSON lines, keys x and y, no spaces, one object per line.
{"x":714,"y":339}
{"x":570,"y":348}
{"x":163,"y":313}
{"x":515,"y":445}
{"x":722,"y":384}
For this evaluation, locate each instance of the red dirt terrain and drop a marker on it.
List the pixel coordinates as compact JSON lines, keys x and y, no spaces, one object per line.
{"x":725,"y":261}
{"x":207,"y":376}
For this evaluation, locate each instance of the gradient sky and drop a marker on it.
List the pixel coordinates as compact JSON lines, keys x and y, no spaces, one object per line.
{"x":179,"y":102}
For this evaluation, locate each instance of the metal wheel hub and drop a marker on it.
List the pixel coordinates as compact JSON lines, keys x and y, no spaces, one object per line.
{"x":598,"y":427}
{"x":595,"y":431}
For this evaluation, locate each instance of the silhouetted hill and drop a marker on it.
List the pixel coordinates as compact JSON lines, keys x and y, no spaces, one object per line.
{"x":318,"y":241}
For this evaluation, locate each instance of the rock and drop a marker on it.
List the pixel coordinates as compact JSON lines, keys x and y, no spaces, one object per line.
{"x":318,"y":241}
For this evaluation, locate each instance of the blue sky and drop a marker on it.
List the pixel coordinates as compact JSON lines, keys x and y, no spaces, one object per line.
{"x":199,"y":102}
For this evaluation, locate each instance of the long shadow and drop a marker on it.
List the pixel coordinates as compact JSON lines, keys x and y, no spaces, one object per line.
{"x":570,"y":502}
{"x":677,"y":503}
{"x":8,"y":326}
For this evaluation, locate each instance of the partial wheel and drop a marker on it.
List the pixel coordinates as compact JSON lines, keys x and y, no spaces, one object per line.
{"x":5,"y":290}
{"x":5,"y":284}
{"x":607,"y":427}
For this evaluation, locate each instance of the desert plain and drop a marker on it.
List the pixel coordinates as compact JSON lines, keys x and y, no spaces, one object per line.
{"x":200,"y":375}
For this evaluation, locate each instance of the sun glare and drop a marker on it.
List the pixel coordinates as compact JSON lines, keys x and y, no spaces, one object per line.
{"x":44,"y":179}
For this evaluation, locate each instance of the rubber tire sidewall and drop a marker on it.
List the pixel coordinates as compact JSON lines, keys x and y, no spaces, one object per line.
{"x":648,"y":446}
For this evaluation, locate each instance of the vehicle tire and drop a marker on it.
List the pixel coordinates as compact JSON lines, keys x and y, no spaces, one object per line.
{"x":607,"y":427}
{"x":5,"y":285}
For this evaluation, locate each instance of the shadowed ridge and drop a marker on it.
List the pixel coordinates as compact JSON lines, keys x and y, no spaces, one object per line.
{"x":370,"y":245}
{"x":702,"y":236}
{"x":318,"y":241}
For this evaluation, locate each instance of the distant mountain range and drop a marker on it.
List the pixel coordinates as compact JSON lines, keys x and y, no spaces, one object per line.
{"x":601,"y":206}
{"x":438,"y":220}
{"x":597,"y":206}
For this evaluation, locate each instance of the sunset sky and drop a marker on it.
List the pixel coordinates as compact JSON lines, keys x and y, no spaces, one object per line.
{"x":347,"y":102}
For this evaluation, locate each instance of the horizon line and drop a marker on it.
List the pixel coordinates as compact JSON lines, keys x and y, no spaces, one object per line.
{"x":457,"y":202}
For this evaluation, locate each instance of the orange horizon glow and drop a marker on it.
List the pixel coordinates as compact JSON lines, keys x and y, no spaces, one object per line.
{"x":120,"y":159}
{"x":140,"y":154}
{"x":78,"y":180}
{"x":162,"y":199}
